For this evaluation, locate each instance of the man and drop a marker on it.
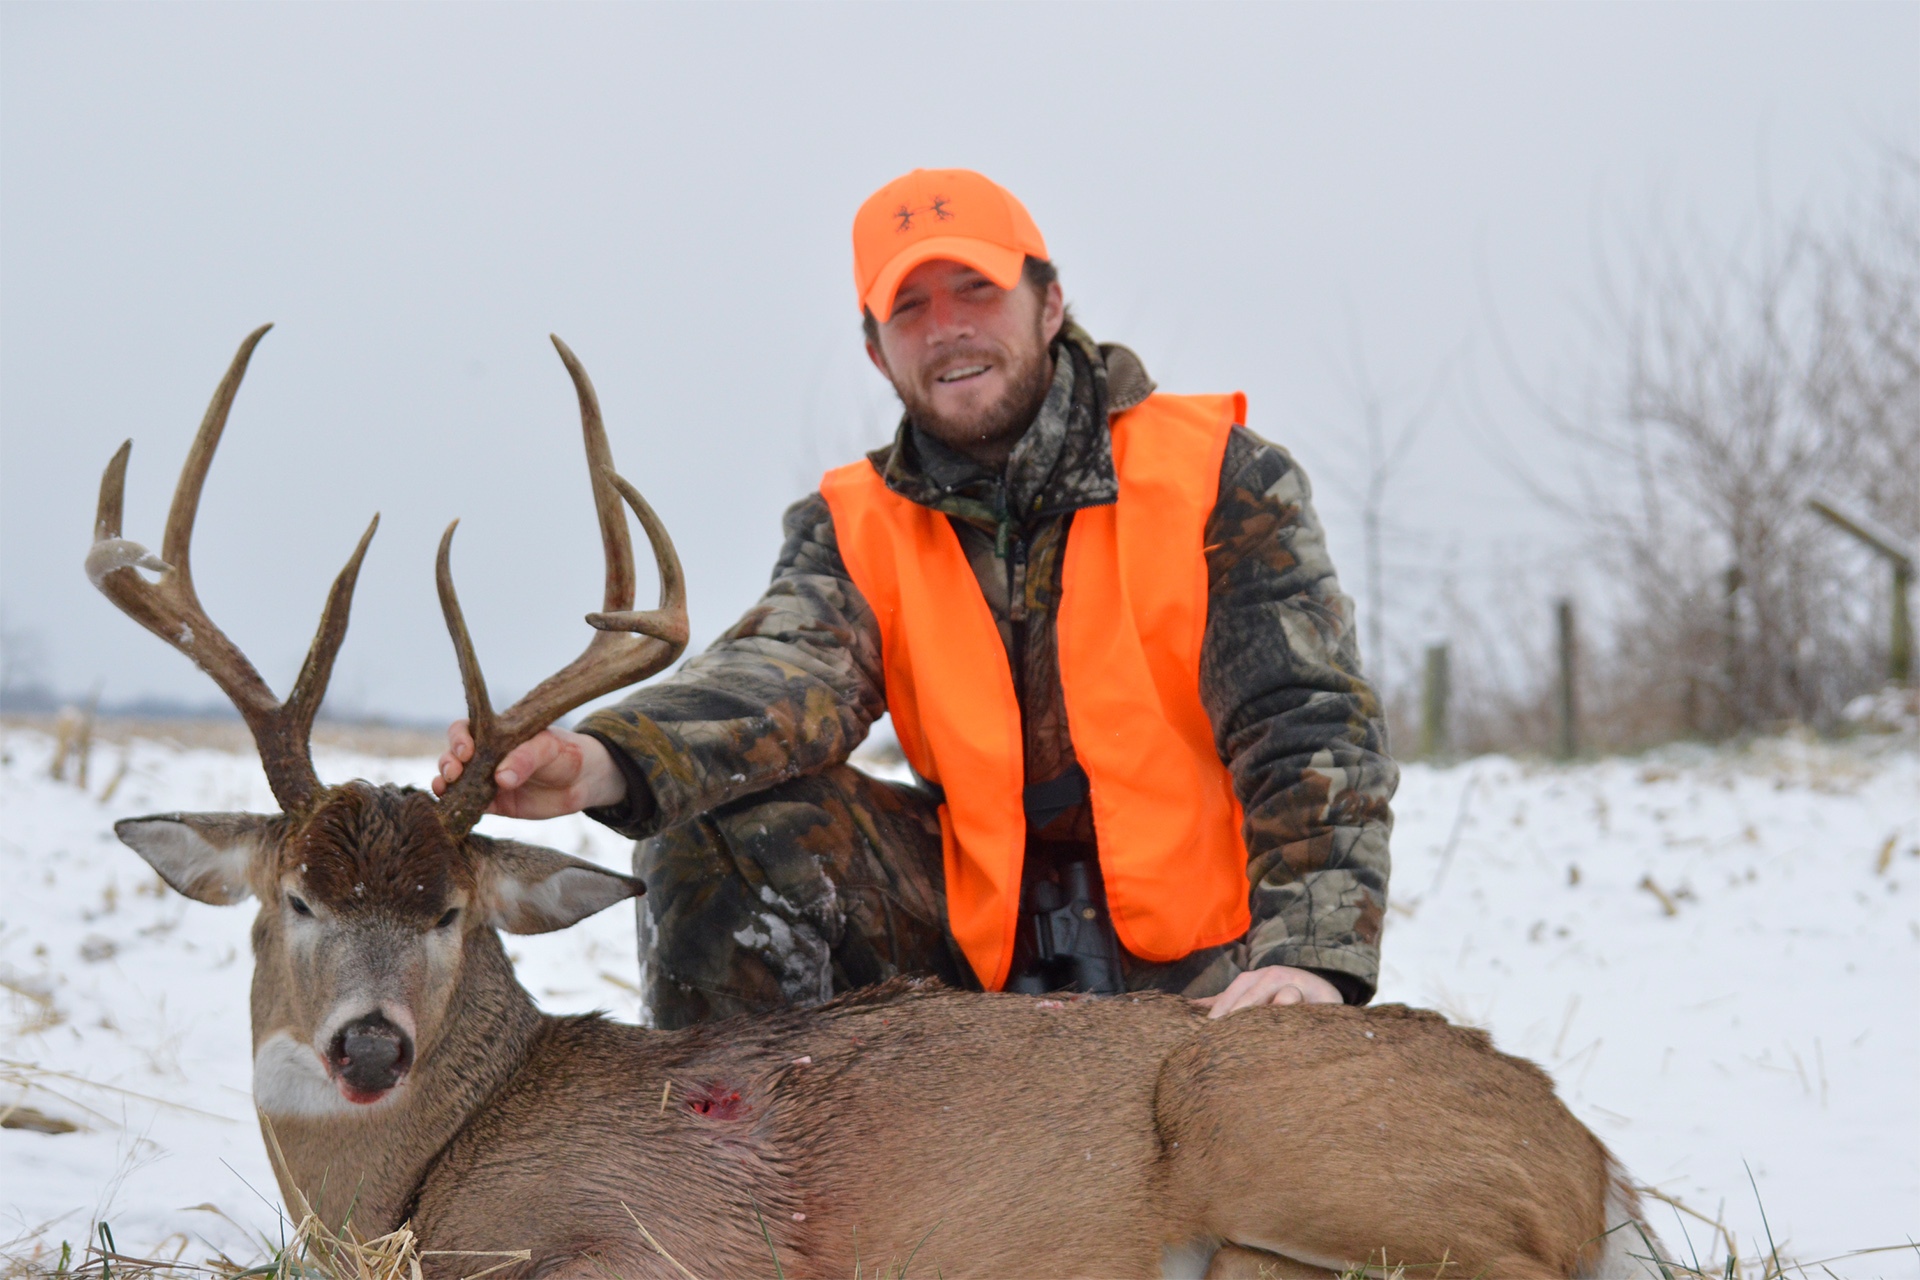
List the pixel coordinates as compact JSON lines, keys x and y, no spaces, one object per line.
{"x":1114,"y":650}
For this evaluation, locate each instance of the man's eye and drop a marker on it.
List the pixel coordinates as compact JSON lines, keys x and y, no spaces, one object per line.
{"x":453,"y":913}
{"x":300,"y":908}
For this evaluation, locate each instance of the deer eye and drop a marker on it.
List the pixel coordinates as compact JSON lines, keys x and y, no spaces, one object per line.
{"x":300,"y":908}
{"x":453,"y":913}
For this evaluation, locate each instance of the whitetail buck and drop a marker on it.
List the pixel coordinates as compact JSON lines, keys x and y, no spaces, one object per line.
{"x":408,"y":1077}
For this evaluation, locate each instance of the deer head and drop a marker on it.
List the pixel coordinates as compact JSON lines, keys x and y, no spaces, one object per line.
{"x":373,"y":900}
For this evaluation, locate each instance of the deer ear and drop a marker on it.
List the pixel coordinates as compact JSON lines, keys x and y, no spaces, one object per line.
{"x":206,"y":856}
{"x":535,"y":890}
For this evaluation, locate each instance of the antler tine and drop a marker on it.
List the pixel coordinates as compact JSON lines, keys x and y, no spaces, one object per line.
{"x":669,"y":621}
{"x":606,"y":502}
{"x":479,"y":707}
{"x":627,"y":646}
{"x":310,"y":687}
{"x":113,"y":494}
{"x":171,"y":609}
{"x":176,"y":546}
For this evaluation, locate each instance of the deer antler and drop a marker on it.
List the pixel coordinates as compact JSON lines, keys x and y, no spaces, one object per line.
{"x":171,"y":609}
{"x":628,"y":645}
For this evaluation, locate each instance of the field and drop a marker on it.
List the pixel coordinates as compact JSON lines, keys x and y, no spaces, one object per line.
{"x":1716,"y":953}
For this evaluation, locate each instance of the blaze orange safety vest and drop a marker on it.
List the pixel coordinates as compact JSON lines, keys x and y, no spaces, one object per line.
{"x":1133,"y":609}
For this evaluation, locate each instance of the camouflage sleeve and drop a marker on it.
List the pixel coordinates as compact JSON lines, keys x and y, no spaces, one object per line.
{"x":790,"y":689}
{"x":1299,"y":727}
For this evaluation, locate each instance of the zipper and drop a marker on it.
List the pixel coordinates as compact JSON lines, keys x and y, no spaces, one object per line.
{"x":1017,"y":616}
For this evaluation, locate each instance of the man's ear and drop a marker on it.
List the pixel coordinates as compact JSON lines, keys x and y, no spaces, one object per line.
{"x":1053,"y":312}
{"x":207,"y":856}
{"x":535,"y":890}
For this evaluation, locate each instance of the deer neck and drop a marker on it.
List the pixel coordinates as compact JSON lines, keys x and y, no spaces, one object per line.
{"x":369,"y":1162}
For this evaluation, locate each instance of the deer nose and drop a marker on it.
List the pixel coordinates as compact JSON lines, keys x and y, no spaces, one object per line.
{"x":369,"y":1055}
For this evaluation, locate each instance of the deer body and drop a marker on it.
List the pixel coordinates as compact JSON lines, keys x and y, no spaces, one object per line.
{"x":995,"y":1134}
{"x":403,"y":1074}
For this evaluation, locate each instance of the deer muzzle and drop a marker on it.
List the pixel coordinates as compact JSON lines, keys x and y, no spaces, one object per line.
{"x":368,"y":1057}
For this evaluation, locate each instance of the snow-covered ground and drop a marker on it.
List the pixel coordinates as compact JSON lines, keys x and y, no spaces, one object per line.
{"x":1717,"y":954}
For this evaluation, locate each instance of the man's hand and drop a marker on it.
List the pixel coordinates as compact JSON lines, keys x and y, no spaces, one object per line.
{"x":555,"y":773}
{"x":1275,"y":984}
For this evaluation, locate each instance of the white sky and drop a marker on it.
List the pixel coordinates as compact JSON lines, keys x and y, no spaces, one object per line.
{"x":417,"y":195}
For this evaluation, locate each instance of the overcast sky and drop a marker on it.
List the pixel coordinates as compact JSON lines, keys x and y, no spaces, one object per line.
{"x":416,"y":195}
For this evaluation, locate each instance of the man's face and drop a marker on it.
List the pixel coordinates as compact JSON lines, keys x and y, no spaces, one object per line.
{"x":968,"y":358}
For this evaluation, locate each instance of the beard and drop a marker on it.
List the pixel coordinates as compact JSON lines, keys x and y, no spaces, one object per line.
{"x":995,"y":427}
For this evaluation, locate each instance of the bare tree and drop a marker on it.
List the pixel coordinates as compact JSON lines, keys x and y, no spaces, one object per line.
{"x":1387,"y":446}
{"x":1744,"y":382}
{"x":1733,"y":383}
{"x":1866,"y":372}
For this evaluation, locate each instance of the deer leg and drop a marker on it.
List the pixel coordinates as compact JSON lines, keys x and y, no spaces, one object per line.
{"x":1378,"y":1137}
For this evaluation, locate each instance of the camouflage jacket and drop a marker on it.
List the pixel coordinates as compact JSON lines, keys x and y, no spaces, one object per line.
{"x":793,"y":687}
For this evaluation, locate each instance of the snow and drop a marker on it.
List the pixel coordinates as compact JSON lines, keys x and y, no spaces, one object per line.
{"x":1770,"y":1023}
{"x":1728,"y":987}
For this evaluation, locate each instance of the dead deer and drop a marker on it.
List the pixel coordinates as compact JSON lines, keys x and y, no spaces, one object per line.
{"x":403,"y":1073}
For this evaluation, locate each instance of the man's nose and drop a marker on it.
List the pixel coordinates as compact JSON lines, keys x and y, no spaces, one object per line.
{"x":947,"y":321}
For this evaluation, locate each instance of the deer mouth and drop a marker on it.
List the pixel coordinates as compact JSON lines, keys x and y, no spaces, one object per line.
{"x":368,"y":1058}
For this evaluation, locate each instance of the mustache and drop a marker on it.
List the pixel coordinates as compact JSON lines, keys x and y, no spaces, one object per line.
{"x":961,"y":357}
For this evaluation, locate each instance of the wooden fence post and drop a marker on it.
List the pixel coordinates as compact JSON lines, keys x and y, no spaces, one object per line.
{"x":1900,"y":651}
{"x":1886,"y":545}
{"x":1732,"y":688}
{"x":1436,"y":689}
{"x":1567,"y":740}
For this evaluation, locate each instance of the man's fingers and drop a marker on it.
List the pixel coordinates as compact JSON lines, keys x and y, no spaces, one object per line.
{"x":1238,"y":995}
{"x":453,"y":761}
{"x":1234,"y":1002}
{"x":1256,"y":987}
{"x":526,"y":760}
{"x":521,"y":763}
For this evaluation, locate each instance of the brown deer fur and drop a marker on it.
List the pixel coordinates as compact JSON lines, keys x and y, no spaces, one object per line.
{"x":980,"y":1134}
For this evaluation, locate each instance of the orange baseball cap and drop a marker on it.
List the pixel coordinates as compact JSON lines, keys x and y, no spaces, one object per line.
{"x":939,"y":213}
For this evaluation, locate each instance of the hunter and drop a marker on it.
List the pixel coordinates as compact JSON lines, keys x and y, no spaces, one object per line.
{"x":1106,"y":626}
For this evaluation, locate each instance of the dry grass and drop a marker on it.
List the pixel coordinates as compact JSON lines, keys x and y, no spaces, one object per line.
{"x":394,"y":741}
{"x":315,"y":1252}
{"x":25,"y":1079}
{"x":1718,"y":1256}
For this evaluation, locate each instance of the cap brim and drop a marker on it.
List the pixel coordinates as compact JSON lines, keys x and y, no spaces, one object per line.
{"x":997,"y":263}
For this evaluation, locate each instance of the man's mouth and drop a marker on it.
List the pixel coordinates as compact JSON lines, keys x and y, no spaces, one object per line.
{"x":963,"y":373}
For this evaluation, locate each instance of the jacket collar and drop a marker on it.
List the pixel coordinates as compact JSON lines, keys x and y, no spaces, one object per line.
{"x":1062,"y":463}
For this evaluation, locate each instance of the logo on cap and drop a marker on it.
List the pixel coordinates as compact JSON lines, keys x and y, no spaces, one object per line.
{"x":905,"y":214}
